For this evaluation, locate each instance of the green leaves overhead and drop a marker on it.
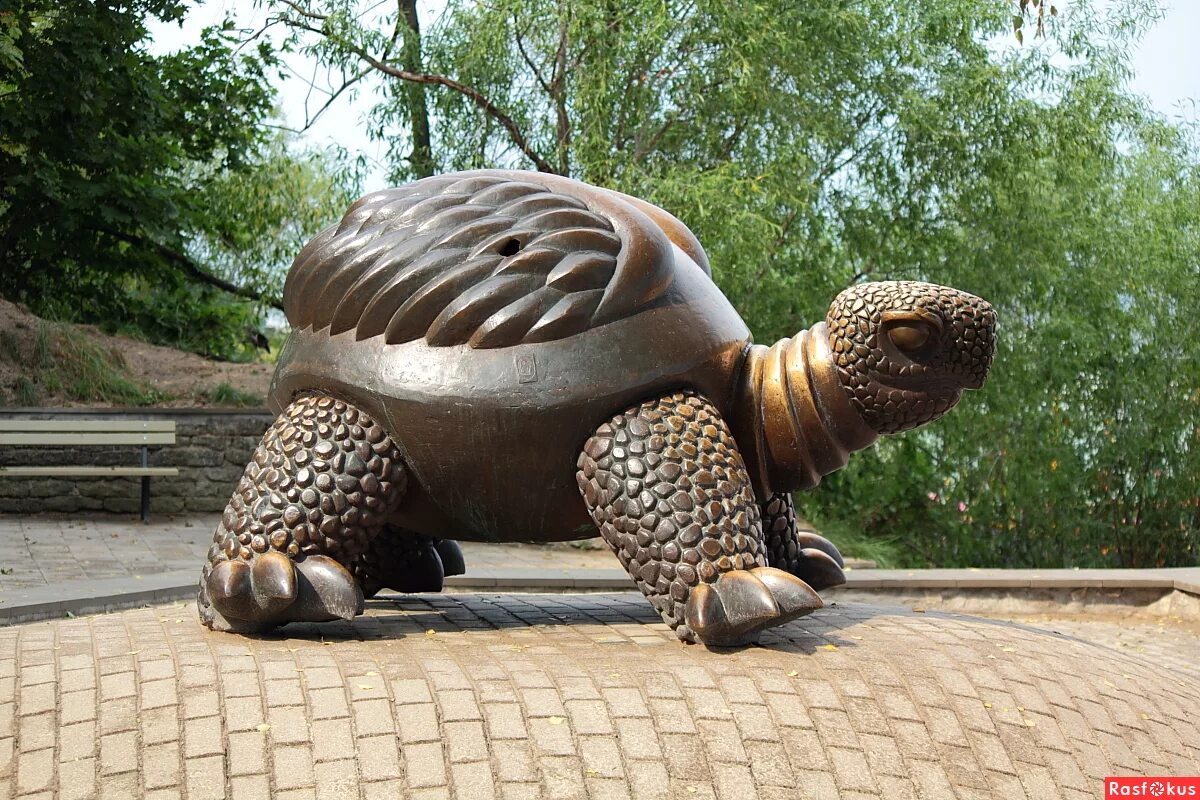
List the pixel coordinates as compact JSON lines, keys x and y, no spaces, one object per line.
{"x":126,"y":178}
{"x":811,"y":145}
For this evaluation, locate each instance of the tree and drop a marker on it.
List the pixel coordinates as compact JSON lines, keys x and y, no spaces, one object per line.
{"x":120,"y":174}
{"x":814,"y":145}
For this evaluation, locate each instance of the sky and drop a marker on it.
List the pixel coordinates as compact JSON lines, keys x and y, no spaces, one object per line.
{"x":1166,"y":67}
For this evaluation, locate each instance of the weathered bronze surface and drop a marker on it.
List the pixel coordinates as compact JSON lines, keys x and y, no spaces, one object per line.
{"x":473,"y":352}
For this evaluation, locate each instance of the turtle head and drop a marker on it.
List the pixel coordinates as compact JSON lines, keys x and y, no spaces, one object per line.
{"x":905,"y":351}
{"x":887,"y":358}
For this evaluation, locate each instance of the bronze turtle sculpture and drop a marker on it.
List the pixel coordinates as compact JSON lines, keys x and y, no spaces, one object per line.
{"x":514,"y":356}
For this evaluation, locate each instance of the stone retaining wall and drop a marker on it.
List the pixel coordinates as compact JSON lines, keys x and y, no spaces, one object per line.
{"x":211,"y":450}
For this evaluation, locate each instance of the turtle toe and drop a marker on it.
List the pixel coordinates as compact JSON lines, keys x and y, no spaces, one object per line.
{"x":811,"y":540}
{"x":739,"y":604}
{"x":818,"y":568}
{"x":273,"y":590}
{"x":453,"y":562}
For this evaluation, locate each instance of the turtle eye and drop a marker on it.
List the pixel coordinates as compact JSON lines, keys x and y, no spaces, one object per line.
{"x":911,"y":335}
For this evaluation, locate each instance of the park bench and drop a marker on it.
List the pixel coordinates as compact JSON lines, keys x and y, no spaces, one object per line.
{"x":90,"y":433}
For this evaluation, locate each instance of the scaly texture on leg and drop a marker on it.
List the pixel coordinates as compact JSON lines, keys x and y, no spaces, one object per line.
{"x":321,"y":485}
{"x":407,"y":561}
{"x":804,"y":553}
{"x":667,"y":488}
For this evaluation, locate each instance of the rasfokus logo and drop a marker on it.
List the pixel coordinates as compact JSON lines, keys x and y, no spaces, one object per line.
{"x":1157,"y":786}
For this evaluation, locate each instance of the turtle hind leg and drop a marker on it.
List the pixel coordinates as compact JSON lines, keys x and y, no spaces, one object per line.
{"x":669,"y":491}
{"x":804,"y":553}
{"x":407,"y":561}
{"x":321,"y":485}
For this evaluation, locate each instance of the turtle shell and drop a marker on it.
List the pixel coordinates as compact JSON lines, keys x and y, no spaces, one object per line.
{"x":493,"y":320}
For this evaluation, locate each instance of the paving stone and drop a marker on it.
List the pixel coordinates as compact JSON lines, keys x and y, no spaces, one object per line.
{"x":77,"y":779}
{"x":160,"y":766}
{"x":505,"y":721}
{"x":378,"y":757}
{"x":563,"y":701}
{"x":35,"y":771}
{"x":293,"y":766}
{"x":251,"y":787}
{"x":473,"y":780}
{"x":332,"y":740}
{"x":424,"y":765}
{"x":513,"y":762}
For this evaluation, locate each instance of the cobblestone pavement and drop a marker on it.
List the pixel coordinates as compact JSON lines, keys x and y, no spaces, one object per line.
{"x":1172,"y":642}
{"x":40,"y":550}
{"x":562,"y":696}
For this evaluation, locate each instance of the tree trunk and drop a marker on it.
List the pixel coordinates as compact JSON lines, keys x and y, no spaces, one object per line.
{"x":421,"y":159}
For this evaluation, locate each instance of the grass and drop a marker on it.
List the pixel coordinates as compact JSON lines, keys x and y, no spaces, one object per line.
{"x":10,"y":346}
{"x":26,"y":392}
{"x":91,"y":372}
{"x":67,"y":361}
{"x":42,"y":358}
{"x":59,"y":361}
{"x":225,"y":395}
{"x":854,"y":543}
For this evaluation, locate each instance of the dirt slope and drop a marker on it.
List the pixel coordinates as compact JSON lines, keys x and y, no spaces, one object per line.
{"x":42,"y":354}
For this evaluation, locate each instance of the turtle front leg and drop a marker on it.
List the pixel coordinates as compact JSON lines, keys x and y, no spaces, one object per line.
{"x":667,"y":488}
{"x":322,"y":483}
{"x":806,"y":554}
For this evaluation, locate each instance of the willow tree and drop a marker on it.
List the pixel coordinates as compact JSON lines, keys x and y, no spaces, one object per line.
{"x":811,"y":145}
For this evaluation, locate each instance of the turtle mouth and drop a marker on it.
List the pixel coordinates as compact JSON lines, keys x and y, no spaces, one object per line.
{"x":890,"y":406}
{"x":925,"y":381}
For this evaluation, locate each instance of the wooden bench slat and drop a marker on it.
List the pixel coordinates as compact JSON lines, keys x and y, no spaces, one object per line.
{"x":87,"y":425}
{"x":28,"y":472}
{"x":85,"y":439}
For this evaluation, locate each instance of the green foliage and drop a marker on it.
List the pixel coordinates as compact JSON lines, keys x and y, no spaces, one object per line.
{"x":187,"y":316}
{"x":142,"y":190}
{"x":258,"y":218}
{"x":854,"y":541}
{"x":27,"y":393}
{"x":41,"y":349}
{"x":812,"y":145}
{"x":10,"y":345}
{"x":225,"y":395}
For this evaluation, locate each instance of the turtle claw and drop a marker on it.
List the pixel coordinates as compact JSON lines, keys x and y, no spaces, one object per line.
{"x":274,"y":590}
{"x":327,"y":591}
{"x":451,"y":554}
{"x":733,"y":609}
{"x":819,"y":564}
{"x":815,"y":541}
{"x":274,"y":579}
{"x":229,"y":589}
{"x":423,"y":573}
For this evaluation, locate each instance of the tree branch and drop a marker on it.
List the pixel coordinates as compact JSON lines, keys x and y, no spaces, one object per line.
{"x":303,"y":11}
{"x":310,"y":121}
{"x":193,"y":270}
{"x":471,"y":93}
{"x":537,"y":73}
{"x":558,"y":85}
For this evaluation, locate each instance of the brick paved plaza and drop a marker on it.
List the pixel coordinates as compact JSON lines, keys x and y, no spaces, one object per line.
{"x":557,"y":696}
